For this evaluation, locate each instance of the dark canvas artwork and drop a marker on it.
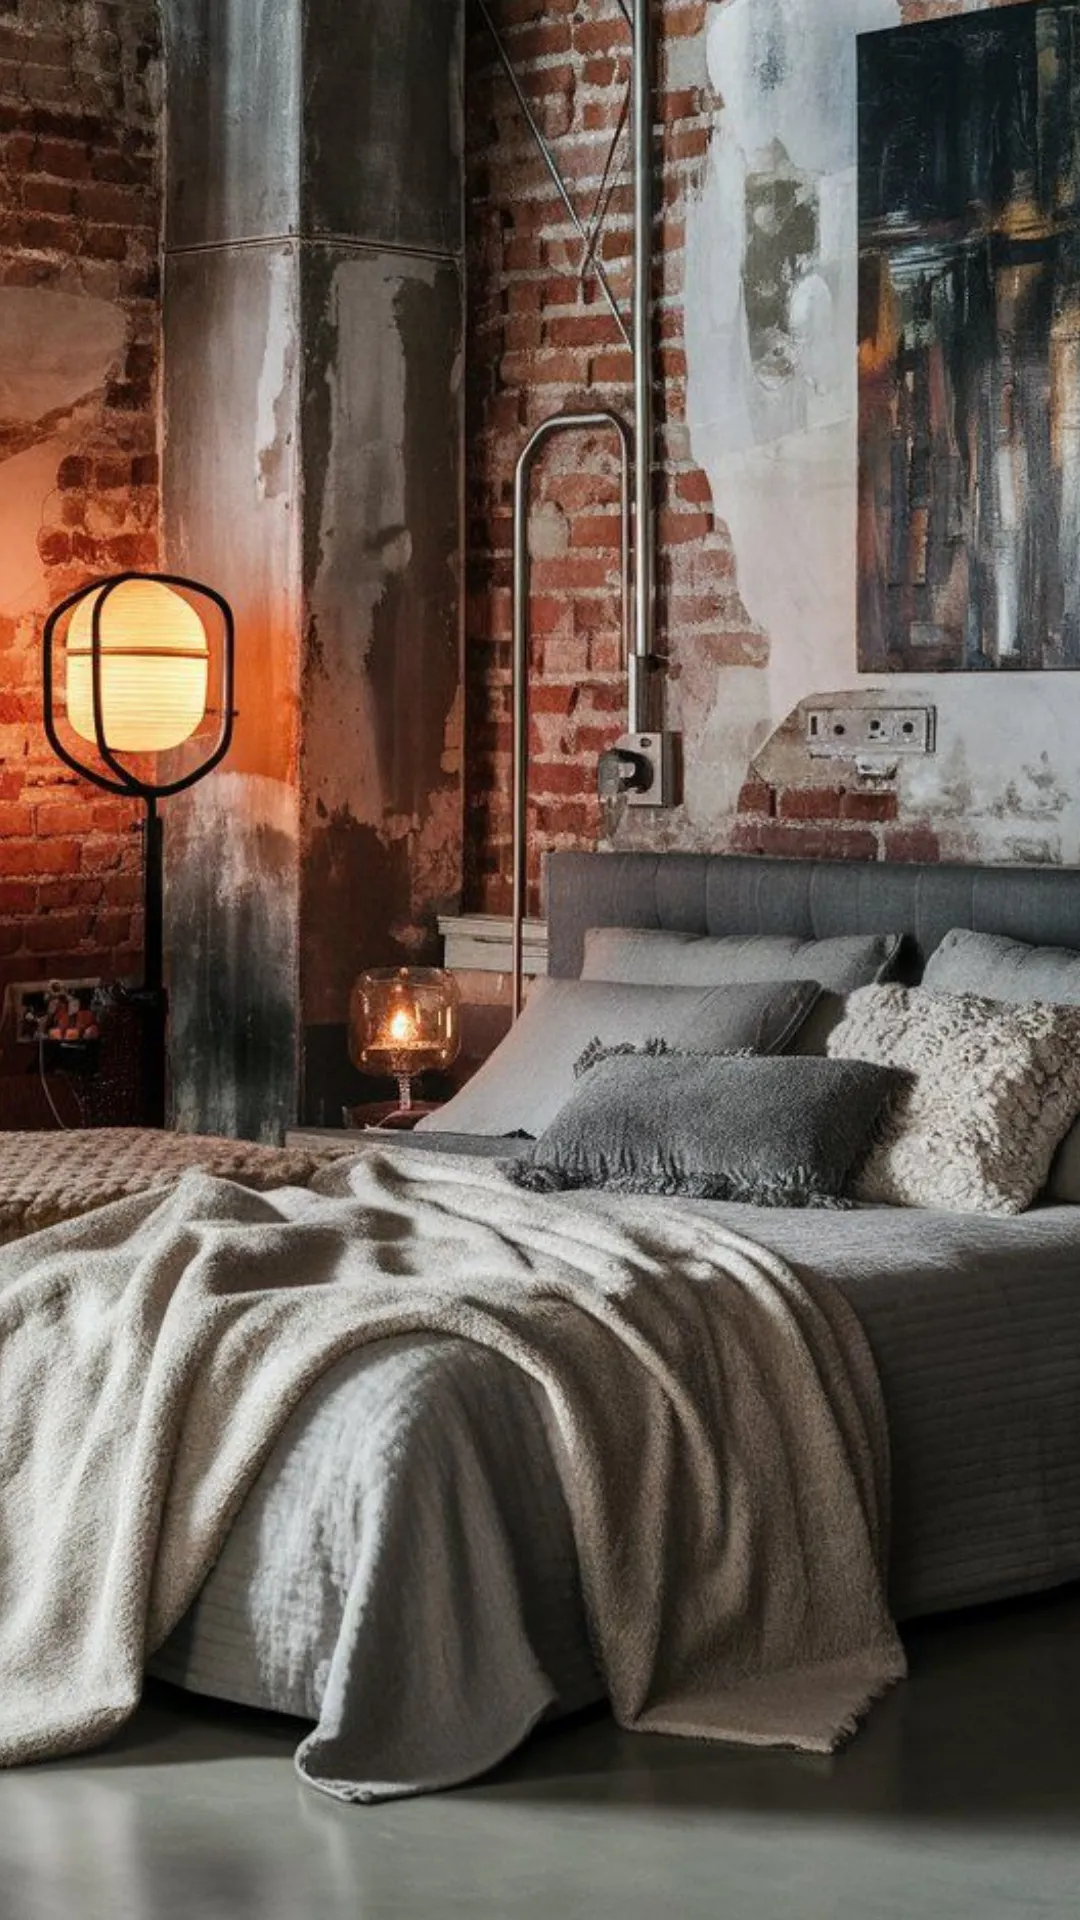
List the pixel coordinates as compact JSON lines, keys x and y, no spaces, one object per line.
{"x":969,"y":343}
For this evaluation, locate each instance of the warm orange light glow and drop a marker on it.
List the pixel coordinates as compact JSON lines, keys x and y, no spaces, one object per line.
{"x":402,"y":1031}
{"x":154,"y":668}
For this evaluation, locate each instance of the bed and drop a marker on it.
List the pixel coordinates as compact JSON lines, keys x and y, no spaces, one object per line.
{"x":974,"y":1325}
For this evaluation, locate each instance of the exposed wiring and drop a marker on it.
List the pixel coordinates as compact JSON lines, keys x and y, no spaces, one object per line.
{"x":47,"y":1090}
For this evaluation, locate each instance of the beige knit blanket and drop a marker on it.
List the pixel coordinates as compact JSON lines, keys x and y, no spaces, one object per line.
{"x":49,"y":1177}
{"x":721,"y":1434}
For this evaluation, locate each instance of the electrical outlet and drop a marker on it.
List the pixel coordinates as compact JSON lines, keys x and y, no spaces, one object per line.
{"x":660,"y":753}
{"x":845,"y":733}
{"x":54,"y":1010}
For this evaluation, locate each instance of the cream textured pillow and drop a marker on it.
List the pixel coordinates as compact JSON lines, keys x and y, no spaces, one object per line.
{"x":994,"y":1089}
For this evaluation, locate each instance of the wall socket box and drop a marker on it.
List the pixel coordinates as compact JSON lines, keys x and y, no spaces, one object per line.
{"x":28,"y":1003}
{"x":847,"y":733}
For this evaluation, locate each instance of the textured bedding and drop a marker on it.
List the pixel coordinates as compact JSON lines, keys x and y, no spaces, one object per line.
{"x":46,"y":1178}
{"x":706,"y":1401}
{"x":975,"y":1327}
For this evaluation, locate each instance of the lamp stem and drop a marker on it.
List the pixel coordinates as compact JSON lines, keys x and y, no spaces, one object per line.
{"x":404,"y":1081}
{"x":153,"y":900}
{"x":154,"y":1006}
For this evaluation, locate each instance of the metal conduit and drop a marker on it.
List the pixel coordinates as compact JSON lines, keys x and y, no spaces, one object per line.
{"x":547,"y":430}
{"x":637,"y":448}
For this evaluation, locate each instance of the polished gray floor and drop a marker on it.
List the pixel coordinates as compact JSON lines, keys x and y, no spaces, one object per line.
{"x":961,"y":1797}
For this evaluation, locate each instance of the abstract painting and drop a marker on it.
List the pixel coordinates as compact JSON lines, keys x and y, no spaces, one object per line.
{"x":969,"y":343}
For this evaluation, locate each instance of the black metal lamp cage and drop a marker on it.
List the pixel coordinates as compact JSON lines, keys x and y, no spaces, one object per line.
{"x":112,"y":776}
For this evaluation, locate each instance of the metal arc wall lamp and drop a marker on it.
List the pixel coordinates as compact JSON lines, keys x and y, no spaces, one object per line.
{"x":642,"y":768}
{"x":125,"y":694}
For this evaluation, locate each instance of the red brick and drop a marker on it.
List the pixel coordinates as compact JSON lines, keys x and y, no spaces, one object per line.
{"x":40,"y":856}
{"x":870,"y":806}
{"x":17,"y":897}
{"x":68,"y":158}
{"x":810,"y":803}
{"x":919,"y":843}
{"x":795,"y":842}
{"x":756,"y":796}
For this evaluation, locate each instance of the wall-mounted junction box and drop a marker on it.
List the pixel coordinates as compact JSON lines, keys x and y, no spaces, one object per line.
{"x":847,"y":733}
{"x":658,"y":754}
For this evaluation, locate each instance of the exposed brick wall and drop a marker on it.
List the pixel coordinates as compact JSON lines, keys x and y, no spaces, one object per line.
{"x":79,"y":238}
{"x":538,"y":342}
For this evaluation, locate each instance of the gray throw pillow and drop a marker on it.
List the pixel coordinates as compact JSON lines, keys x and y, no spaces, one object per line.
{"x":1010,"y":970}
{"x":1001,"y":969}
{"x":993,"y":1090}
{"x":531,"y":1075}
{"x":704,"y":960}
{"x":773,"y":1132}
{"x":662,"y":958}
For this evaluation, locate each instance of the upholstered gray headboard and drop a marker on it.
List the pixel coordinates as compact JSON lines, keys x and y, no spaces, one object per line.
{"x":724,"y":893}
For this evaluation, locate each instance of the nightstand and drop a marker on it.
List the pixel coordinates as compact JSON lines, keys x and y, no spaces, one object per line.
{"x":373,"y":1117}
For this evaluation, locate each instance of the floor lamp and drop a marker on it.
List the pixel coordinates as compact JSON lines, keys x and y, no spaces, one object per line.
{"x":135,"y":652}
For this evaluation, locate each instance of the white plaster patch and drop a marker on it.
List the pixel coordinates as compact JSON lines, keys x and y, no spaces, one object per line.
{"x":363,"y":536}
{"x":781,"y":455}
{"x":54,"y":349}
{"x":26,"y":481}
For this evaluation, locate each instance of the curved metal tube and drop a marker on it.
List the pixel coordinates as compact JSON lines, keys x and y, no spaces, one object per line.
{"x":559,"y":423}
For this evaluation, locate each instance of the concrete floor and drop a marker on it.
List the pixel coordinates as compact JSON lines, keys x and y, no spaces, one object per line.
{"x":960,"y":1798}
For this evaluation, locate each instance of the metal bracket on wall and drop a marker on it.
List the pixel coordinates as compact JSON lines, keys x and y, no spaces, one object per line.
{"x":590,"y":230}
{"x":635,"y":329}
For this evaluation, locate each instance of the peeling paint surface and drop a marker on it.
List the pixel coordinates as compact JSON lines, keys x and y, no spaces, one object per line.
{"x":232,"y":845}
{"x":56,"y":350}
{"x":772,"y":407}
{"x":234,"y":130}
{"x":381,"y":773}
{"x":232,"y":873}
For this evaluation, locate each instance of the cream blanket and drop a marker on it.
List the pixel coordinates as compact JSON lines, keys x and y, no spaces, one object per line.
{"x":721,"y":1436}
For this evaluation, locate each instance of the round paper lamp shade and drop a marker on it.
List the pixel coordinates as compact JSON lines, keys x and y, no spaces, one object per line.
{"x":155,"y":661}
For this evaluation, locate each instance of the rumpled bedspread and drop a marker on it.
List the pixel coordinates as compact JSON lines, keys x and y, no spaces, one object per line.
{"x":717,"y":1427}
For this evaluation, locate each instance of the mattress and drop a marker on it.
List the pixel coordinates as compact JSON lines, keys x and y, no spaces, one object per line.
{"x":975,"y":1327}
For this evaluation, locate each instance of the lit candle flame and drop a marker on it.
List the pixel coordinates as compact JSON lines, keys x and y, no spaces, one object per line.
{"x":402,"y":1028}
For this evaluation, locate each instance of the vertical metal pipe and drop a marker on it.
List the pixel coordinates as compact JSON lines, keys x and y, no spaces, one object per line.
{"x":520,"y":694}
{"x":559,"y":423}
{"x":644,"y":419}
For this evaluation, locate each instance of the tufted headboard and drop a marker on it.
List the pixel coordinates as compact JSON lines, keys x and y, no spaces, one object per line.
{"x":725,"y":893}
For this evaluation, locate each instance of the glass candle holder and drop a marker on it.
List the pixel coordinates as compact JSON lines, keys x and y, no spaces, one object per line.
{"x":404,"y":1021}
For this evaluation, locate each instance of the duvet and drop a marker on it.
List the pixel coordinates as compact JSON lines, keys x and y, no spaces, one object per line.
{"x":704,"y":1426}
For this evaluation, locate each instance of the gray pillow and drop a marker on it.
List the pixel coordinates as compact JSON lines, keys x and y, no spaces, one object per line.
{"x":994,"y":1089}
{"x":1001,"y":969}
{"x":779,"y":1132}
{"x":662,"y":958}
{"x":531,"y":1075}
{"x":1010,"y":970}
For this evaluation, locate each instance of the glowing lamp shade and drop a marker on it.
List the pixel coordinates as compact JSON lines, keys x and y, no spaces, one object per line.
{"x":155,"y":663}
{"x":404,"y":1021}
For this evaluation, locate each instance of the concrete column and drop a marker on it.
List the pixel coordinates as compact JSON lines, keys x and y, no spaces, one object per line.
{"x":313,"y":327}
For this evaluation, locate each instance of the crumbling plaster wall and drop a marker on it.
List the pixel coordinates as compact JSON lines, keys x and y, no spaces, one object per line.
{"x":756,"y":457}
{"x":774,"y":427}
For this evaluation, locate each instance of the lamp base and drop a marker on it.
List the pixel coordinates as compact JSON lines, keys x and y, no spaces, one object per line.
{"x":375,"y":1116}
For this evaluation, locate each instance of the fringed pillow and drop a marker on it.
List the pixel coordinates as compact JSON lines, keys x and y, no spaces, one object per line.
{"x":771,"y":1131}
